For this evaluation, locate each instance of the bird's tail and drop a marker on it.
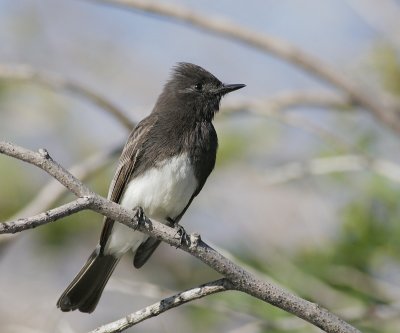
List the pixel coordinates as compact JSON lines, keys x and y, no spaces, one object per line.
{"x":85,"y":290}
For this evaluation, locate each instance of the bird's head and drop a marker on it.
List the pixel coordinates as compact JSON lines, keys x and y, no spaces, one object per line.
{"x":196,"y":90}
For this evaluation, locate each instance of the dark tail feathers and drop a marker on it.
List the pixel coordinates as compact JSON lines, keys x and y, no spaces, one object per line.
{"x":85,"y":290}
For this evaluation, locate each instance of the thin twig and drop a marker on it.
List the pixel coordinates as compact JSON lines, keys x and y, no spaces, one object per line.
{"x":240,"y":279}
{"x":280,"y":48}
{"x":57,"y":82}
{"x":43,"y":218}
{"x":164,"y":305}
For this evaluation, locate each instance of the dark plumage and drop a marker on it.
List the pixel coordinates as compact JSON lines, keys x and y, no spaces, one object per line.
{"x":163,"y":166}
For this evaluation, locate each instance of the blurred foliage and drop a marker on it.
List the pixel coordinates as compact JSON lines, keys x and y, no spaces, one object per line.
{"x":4,"y":88}
{"x":19,"y":187}
{"x":60,"y":234}
{"x":387,"y":63}
{"x":231,"y":146}
{"x":238,"y":136}
{"x":371,"y":226}
{"x":370,"y":231}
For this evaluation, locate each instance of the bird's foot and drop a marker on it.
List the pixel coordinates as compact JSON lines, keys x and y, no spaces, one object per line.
{"x":181,"y":233}
{"x":139,"y":215}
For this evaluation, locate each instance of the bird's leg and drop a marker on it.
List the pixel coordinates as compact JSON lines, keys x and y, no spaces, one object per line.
{"x":180,"y":231}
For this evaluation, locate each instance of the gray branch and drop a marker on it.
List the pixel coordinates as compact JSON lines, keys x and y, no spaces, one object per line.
{"x":300,"y":98}
{"x":46,"y":217}
{"x":240,"y":279}
{"x":164,"y":305}
{"x":50,"y":193}
{"x":273,"y":106}
{"x":333,"y":164}
{"x":56,"y":82}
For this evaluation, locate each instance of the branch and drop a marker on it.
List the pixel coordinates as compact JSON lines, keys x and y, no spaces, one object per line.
{"x":272,"y":106}
{"x":42,"y":160}
{"x":52,"y":191}
{"x":240,"y":279}
{"x":46,"y":217}
{"x":164,"y":305}
{"x":56,"y":82}
{"x":326,"y":165}
{"x":301,"y":98}
{"x":349,"y":276}
{"x":280,"y":48}
{"x":155,"y":291}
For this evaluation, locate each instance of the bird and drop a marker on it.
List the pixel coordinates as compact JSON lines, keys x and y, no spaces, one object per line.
{"x":163,"y":166}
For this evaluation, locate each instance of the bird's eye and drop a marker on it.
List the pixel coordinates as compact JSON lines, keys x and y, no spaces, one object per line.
{"x":198,"y":86}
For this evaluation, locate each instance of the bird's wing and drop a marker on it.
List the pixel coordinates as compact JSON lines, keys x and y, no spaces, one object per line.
{"x":126,"y":166}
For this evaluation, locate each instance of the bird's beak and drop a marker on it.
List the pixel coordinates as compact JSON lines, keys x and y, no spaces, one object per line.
{"x":227,"y":88}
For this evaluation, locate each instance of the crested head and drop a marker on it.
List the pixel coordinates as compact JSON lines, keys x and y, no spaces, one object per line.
{"x":194,"y":91}
{"x":187,"y":74}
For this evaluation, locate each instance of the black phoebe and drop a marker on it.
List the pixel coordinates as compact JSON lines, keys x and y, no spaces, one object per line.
{"x":163,"y":166}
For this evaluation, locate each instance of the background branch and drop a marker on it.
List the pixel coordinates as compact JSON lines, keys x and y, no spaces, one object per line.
{"x":274,"y":106}
{"x":240,"y":279}
{"x":301,"y":98}
{"x":327,"y":165}
{"x":57,"y":82}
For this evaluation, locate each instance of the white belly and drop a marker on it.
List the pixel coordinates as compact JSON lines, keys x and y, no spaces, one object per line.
{"x":162,"y":192}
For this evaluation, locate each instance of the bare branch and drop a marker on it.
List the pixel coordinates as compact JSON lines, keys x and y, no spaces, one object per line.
{"x":43,"y":160}
{"x":46,"y":217}
{"x":271,"y":107}
{"x":56,"y":82}
{"x":240,"y":279}
{"x":52,"y":191}
{"x":301,"y":98}
{"x":326,"y":165}
{"x":164,"y":305}
{"x":280,"y":48}
{"x":358,"y":280}
{"x":254,"y":326}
